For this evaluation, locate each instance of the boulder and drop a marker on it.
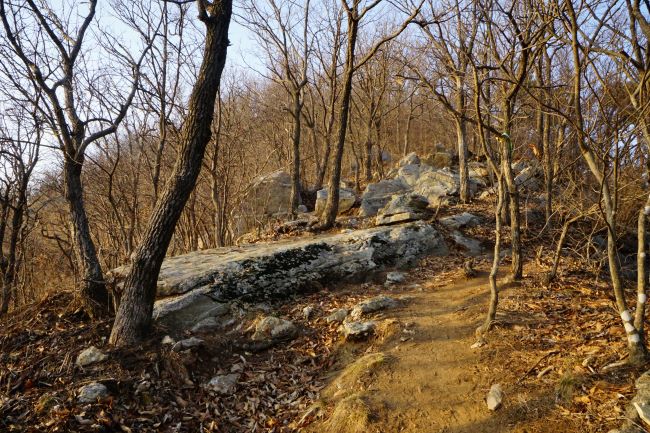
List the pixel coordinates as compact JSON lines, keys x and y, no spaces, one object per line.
{"x":439,"y":159}
{"x":224,"y":383}
{"x":529,"y":178}
{"x":410,"y":159}
{"x":357,"y":330}
{"x":460,"y":221}
{"x":346,"y":200}
{"x":337,"y":316}
{"x":472,"y":246}
{"x":89,"y":356}
{"x":274,"y":329}
{"x":201,"y":284}
{"x":372,"y":305}
{"x":444,"y":180}
{"x":92,"y":392}
{"x":270,"y":194}
{"x":402,"y":208}
{"x":377,"y":195}
{"x":478,"y":170}
{"x":410,"y":174}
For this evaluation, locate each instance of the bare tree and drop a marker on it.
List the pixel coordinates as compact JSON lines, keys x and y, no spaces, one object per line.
{"x":75,"y":122}
{"x":282,"y":28}
{"x":355,"y":14}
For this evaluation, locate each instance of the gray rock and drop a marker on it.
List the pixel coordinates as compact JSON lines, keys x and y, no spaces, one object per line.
{"x":199,"y":284}
{"x":308,"y":312}
{"x":528,"y":178}
{"x":410,"y":159}
{"x":410,"y":174}
{"x":346,"y":200}
{"x":472,"y":246}
{"x":402,"y":208}
{"x":302,"y":208}
{"x":358,"y":330}
{"x":337,"y":316}
{"x":275,"y":329}
{"x":438,"y":160}
{"x":478,"y":170}
{"x":395,"y":277}
{"x":89,"y":356}
{"x":270,"y":194}
{"x":377,"y":195}
{"x":460,"y":221}
{"x":488,"y":194}
{"x":372,"y":305}
{"x":209,"y":324}
{"x":92,"y":392}
{"x":494,"y":398}
{"x":224,"y":383}
{"x":188,"y":343}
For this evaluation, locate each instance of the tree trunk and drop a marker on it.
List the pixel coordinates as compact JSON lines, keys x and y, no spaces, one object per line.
{"x":332,"y":206}
{"x":133,"y":320}
{"x":462,"y":160}
{"x":93,"y":288}
{"x":295,"y":166}
{"x":642,"y":273}
{"x":494,"y":288}
{"x":513,"y":201}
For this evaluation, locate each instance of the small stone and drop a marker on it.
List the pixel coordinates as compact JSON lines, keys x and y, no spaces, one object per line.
{"x":337,"y":316}
{"x":395,"y":277}
{"x":373,"y":304}
{"x":308,"y":312}
{"x":224,"y":383}
{"x":92,"y":392}
{"x":89,"y":356}
{"x":477,"y":345}
{"x":275,"y":329}
{"x":188,"y":343}
{"x":494,"y":397}
{"x":167,"y":340}
{"x":357,"y":330}
{"x":302,"y":208}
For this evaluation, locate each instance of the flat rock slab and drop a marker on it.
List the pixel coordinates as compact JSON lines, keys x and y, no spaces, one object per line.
{"x":198,"y":285}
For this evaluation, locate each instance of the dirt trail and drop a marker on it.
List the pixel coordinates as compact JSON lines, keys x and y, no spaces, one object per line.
{"x":437,"y":383}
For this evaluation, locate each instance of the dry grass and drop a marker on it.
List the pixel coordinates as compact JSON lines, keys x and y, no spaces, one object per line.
{"x":353,"y":376}
{"x":351,"y":415}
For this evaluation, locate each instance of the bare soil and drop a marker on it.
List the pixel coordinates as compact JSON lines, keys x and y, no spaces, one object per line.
{"x":548,"y":360}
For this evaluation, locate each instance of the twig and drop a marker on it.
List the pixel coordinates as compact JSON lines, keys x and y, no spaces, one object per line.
{"x":552,"y":352}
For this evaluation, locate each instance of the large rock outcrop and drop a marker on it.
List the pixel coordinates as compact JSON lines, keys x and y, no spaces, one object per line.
{"x":200,"y":284}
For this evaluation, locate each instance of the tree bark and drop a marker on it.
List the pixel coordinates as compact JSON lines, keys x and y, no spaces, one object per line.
{"x":295,"y":167}
{"x":332,"y":206}
{"x":133,"y":320}
{"x":93,"y":287}
{"x":461,"y":136}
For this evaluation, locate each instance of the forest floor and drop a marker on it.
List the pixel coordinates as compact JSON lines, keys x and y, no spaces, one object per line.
{"x":554,"y":350}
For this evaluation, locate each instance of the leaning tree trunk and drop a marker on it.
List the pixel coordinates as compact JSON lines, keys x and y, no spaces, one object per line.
{"x":133,"y":320}
{"x":332,"y":206}
{"x":494,"y":289}
{"x":94,"y":294}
